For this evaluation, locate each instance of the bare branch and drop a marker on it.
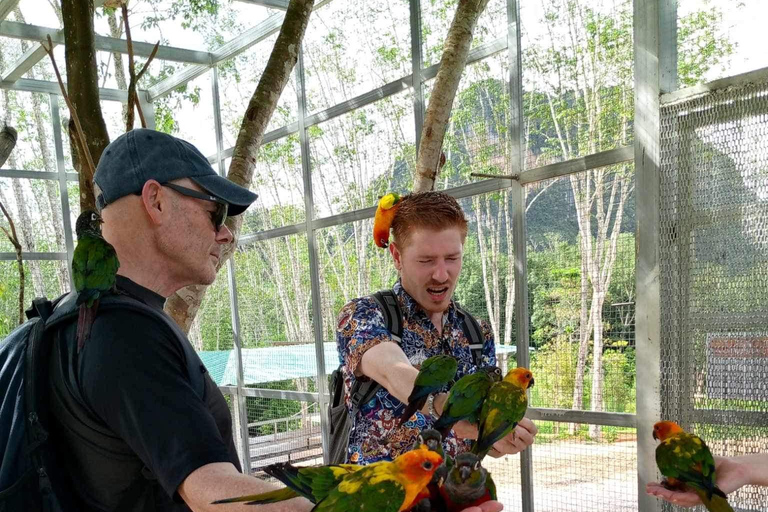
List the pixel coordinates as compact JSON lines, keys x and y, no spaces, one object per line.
{"x":13,"y":237}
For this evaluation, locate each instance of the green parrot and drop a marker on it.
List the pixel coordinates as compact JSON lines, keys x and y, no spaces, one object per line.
{"x":313,"y":483}
{"x":503,"y":408}
{"x":687,"y":463}
{"x":466,"y":397}
{"x":467,"y":484}
{"x":432,"y":439}
{"x":435,"y":373}
{"x":94,"y":270}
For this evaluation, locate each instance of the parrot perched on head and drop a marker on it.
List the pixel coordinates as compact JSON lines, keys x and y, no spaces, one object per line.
{"x":94,"y":271}
{"x":467,"y":484}
{"x":313,"y":483}
{"x":384,"y":486}
{"x":436,"y":372}
{"x":503,"y":408}
{"x":466,"y":398}
{"x":382,"y":221}
{"x":686,"y":462}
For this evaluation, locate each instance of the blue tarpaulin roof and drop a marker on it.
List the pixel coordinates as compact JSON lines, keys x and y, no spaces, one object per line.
{"x":270,"y":364}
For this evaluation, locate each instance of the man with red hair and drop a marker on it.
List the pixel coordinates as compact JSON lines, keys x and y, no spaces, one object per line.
{"x":429,"y":230}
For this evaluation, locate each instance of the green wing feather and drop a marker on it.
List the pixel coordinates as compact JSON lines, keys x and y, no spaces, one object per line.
{"x":504,"y":407}
{"x":491,"y":486}
{"x":436,"y":371}
{"x":465,"y":399}
{"x":358,"y":493}
{"x":94,"y":268}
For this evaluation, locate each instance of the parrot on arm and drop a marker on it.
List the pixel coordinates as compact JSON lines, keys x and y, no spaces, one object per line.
{"x":94,"y":271}
{"x":466,"y":398}
{"x":687,"y":463}
{"x":384,"y":486}
{"x":467,"y":484}
{"x":382,"y":220}
{"x":313,"y":483}
{"x":503,"y":408}
{"x":435,"y":372}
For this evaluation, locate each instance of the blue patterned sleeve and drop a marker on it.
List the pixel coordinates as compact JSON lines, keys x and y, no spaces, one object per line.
{"x":360,"y":327}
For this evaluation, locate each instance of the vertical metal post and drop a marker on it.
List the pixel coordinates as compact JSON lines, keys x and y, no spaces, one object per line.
{"x":519,"y":233}
{"x":655,"y":70}
{"x":242,"y":412}
{"x":416,"y":63}
{"x":61,"y":167}
{"x":314,"y":266}
{"x":148,"y":109}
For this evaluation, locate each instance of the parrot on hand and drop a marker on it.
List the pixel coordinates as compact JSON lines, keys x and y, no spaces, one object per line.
{"x":504,"y":407}
{"x":687,"y":463}
{"x":382,"y":221}
{"x":432,"y":440}
{"x":466,"y":397}
{"x":313,"y":483}
{"x":94,"y":271}
{"x":435,"y":372}
{"x":467,"y":484}
{"x":384,"y":486}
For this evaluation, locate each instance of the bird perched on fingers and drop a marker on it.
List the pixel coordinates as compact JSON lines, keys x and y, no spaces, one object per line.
{"x":435,"y":373}
{"x":466,"y":397}
{"x":94,"y":271}
{"x":382,"y":221}
{"x":503,"y":408}
{"x":687,"y":463}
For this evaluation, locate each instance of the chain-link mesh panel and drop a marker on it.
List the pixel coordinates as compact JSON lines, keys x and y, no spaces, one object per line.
{"x":714,"y":272}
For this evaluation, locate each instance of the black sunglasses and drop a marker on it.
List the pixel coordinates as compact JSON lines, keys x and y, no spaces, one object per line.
{"x":218,"y":216}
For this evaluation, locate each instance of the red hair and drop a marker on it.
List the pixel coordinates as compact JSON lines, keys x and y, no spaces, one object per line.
{"x":431,"y":210}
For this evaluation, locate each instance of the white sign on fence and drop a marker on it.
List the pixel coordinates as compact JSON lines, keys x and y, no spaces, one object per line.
{"x":737,"y":366}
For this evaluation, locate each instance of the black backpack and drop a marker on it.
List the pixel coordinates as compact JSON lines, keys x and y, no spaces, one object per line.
{"x":30,"y":478}
{"x":340,"y":419}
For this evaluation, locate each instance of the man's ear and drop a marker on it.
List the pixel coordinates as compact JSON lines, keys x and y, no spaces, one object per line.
{"x":156,"y":202}
{"x":394,"y":250}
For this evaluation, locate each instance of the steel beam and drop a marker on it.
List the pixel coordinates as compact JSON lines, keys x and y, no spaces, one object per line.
{"x":35,"y":175}
{"x":36,"y":256}
{"x":23,"y":64}
{"x":16,"y":30}
{"x":41,"y":86}
{"x":272,"y":4}
{"x":611,"y":419}
{"x":276,"y":394}
{"x":6,"y":6}
{"x":584,"y":163}
{"x":689,"y":93}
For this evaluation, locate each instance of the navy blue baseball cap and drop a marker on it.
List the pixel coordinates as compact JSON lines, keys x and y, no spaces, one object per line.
{"x":141,"y":155}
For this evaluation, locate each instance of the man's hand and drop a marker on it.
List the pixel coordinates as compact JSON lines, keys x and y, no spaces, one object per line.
{"x":516,"y":441}
{"x":488,"y":506}
{"x":730,"y":476}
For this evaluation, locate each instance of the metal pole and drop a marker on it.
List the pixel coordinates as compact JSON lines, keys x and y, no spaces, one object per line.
{"x":416,"y":63}
{"x":242,"y":412}
{"x":519,"y":234}
{"x":314,"y":267}
{"x":148,"y":108}
{"x":655,"y":71}
{"x":63,"y":192}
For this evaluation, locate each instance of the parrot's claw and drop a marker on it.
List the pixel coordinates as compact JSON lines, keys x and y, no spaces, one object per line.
{"x":672,"y":485}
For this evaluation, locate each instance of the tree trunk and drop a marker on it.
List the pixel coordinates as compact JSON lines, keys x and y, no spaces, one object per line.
{"x":83,"y":90}
{"x":7,"y":142}
{"x":116,"y":31}
{"x":184,"y":304}
{"x":456,"y":48}
{"x":27,"y":236}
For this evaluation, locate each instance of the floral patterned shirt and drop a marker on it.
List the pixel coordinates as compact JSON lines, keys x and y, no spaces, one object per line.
{"x":361,"y":326}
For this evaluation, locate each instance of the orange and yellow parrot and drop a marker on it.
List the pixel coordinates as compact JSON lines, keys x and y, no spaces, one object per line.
{"x":687,"y":463}
{"x":382,"y":221}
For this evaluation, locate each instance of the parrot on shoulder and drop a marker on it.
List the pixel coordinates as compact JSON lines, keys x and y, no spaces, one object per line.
{"x":435,"y":373}
{"x":382,"y":220}
{"x":466,"y":398}
{"x":94,"y":271}
{"x":467,"y":484}
{"x":503,"y":408}
{"x":313,"y":483}
{"x":687,"y":464}
{"x":384,"y":486}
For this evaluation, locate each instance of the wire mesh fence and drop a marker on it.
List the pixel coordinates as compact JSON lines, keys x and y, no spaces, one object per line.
{"x":714,"y":271}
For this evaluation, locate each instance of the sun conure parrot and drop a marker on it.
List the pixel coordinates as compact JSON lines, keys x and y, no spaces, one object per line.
{"x":687,"y":463}
{"x":313,"y":483}
{"x":94,"y":269}
{"x":382,"y":221}
{"x":503,"y":408}
{"x":467,"y":484}
{"x":435,"y":373}
{"x":384,"y":486}
{"x":466,"y":398}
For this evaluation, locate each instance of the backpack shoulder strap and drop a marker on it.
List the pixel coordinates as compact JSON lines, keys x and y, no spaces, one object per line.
{"x":474,"y":334}
{"x":390,"y":308}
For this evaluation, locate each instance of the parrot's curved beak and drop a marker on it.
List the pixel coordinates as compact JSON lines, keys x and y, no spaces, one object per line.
{"x":655,"y":436}
{"x":465,"y":472}
{"x":530,"y":384}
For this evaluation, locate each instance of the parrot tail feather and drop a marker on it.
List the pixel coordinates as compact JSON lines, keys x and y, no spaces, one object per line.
{"x":261,"y":499}
{"x":289,"y":475}
{"x":85,"y":318}
{"x":716,"y":503}
{"x":411,"y":409}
